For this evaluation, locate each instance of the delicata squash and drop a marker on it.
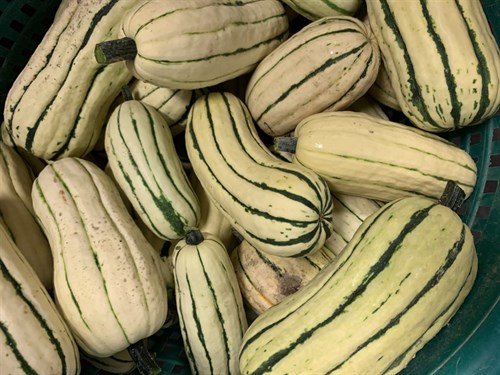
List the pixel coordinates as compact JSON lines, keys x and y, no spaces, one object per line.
{"x":190,"y":44}
{"x":400,"y":279}
{"x":278,"y":207}
{"x":107,"y":278}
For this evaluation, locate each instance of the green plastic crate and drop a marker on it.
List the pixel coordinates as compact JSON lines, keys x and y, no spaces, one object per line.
{"x":469,"y":344}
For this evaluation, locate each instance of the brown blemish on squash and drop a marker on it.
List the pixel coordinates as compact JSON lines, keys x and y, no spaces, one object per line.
{"x":290,"y":284}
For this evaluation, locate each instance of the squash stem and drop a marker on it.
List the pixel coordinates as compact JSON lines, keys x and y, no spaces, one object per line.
{"x":286,"y":144}
{"x":112,"y":51}
{"x":146,"y":364}
{"x":194,"y":237}
{"x":453,"y":196}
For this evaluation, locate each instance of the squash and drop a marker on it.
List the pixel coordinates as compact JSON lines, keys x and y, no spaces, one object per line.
{"x":57,"y":105}
{"x":34,"y":337}
{"x":142,"y":155}
{"x":399,"y":281}
{"x":280,"y":208}
{"x":361,"y":155}
{"x":209,"y":304}
{"x":456,"y":82}
{"x":327,"y":65}
{"x":190,"y":44}
{"x":107,"y":278}
{"x":16,"y":211}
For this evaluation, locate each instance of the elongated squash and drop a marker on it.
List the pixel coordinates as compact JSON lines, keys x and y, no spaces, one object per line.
{"x":400,"y":280}
{"x":334,"y":61}
{"x":144,"y":161}
{"x":16,"y":211}
{"x":189,"y":44}
{"x":315,"y":9}
{"x":107,"y":278}
{"x":280,"y":208}
{"x":456,"y":82}
{"x":58,"y":103}
{"x":34,"y":339}
{"x":209,"y":304}
{"x":361,"y":155}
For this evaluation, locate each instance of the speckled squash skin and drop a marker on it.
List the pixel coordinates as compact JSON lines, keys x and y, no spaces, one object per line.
{"x":107,"y":277}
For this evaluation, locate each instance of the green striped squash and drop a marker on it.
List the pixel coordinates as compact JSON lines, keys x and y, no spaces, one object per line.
{"x":456,"y":82}
{"x":173,"y":104}
{"x":189,"y":44}
{"x":265,"y":280}
{"x":144,"y":161}
{"x":349,"y":213}
{"x":280,"y":208}
{"x":16,"y":211}
{"x":398,"y":282}
{"x":34,"y":339}
{"x":334,"y":61}
{"x":107,"y":277}
{"x":59,"y":102}
{"x":366,"y":156}
{"x":209,"y":304}
{"x":315,"y":9}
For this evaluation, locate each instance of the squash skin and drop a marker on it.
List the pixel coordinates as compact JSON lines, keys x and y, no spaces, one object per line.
{"x":350,"y":212}
{"x":107,"y":277}
{"x":57,"y":105}
{"x":456,"y":83}
{"x":410,"y":266}
{"x":173,"y":104}
{"x":212,"y":220}
{"x":142,"y":155}
{"x":34,"y":336}
{"x":209,"y":305}
{"x":292,"y":216}
{"x":397,"y":160}
{"x":326,"y":66}
{"x":203,"y":42}
{"x":16,"y":211}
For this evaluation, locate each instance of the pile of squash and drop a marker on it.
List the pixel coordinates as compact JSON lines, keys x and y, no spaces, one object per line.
{"x":230,"y":167}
